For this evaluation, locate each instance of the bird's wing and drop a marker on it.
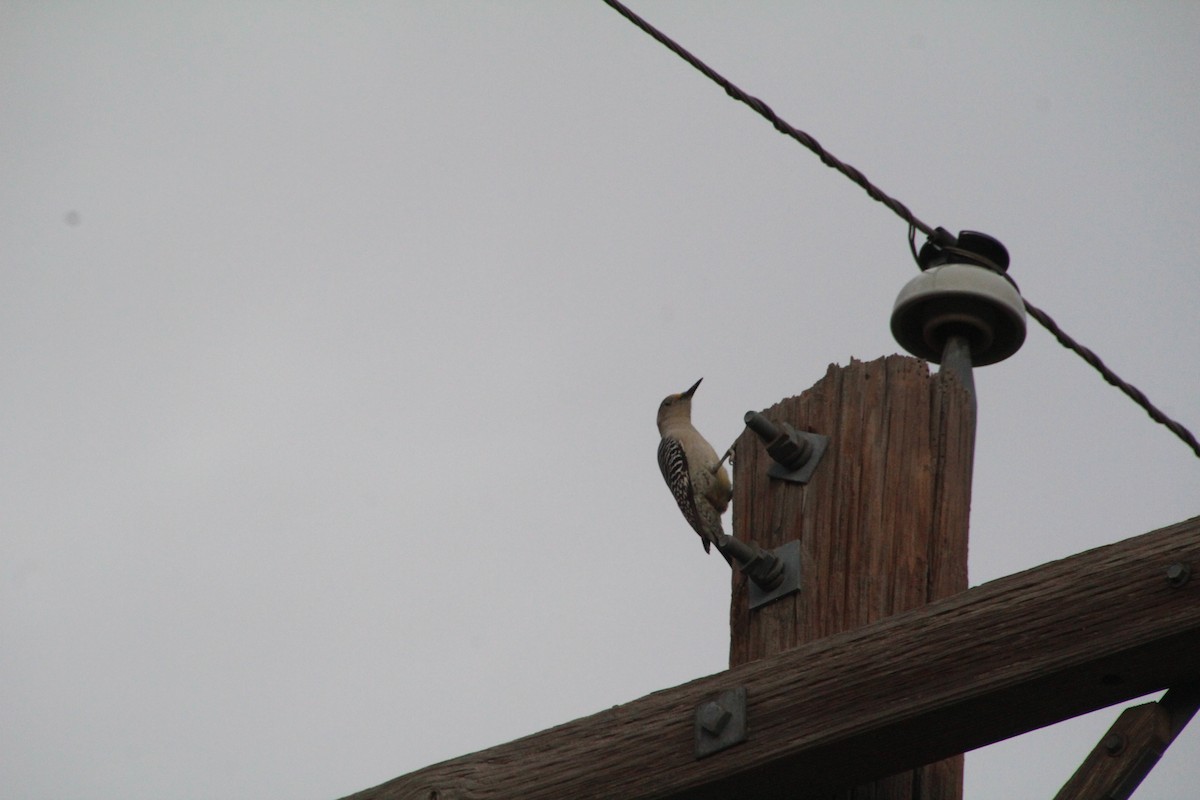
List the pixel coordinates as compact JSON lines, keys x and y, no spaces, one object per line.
{"x":672,"y":460}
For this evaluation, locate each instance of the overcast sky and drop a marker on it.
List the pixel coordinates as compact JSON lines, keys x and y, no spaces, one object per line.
{"x":332,"y":334}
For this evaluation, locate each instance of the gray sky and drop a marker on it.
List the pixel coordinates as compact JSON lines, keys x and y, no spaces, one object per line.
{"x":332,"y":335}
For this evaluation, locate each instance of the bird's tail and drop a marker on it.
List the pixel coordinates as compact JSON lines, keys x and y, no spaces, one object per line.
{"x":724,"y":555}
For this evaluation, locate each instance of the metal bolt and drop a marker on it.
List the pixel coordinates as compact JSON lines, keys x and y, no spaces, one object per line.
{"x":1114,"y":743}
{"x":713,"y":718}
{"x":1179,"y":574}
{"x":767,"y":431}
{"x":789,"y":450}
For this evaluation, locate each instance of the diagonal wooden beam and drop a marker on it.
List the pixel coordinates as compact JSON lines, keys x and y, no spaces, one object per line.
{"x":995,"y":661}
{"x":1132,"y":746}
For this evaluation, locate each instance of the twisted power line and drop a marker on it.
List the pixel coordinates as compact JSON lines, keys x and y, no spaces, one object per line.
{"x":1129,"y":389}
{"x":902,"y":211}
{"x":781,"y":125}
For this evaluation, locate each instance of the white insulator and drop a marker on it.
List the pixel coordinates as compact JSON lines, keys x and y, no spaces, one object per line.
{"x":964,"y":300}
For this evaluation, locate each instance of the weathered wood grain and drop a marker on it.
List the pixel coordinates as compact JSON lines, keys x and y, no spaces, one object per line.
{"x":992,"y":662}
{"x":882,"y":524}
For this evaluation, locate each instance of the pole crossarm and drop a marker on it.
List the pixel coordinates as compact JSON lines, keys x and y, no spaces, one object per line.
{"x":995,"y":661}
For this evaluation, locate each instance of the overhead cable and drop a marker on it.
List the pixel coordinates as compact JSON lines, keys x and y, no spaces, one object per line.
{"x":903,"y":212}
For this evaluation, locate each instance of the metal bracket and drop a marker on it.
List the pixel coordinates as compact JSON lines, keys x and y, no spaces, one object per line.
{"x":720,"y":723}
{"x":789,"y":556}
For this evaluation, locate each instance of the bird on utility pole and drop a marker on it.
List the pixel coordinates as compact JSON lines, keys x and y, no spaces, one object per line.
{"x":696,"y":478}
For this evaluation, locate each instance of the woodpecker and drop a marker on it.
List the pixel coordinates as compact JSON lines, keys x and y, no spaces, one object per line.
{"x":696,"y":478}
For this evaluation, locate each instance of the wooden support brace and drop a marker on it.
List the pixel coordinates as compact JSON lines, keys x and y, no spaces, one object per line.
{"x":1131,"y":747}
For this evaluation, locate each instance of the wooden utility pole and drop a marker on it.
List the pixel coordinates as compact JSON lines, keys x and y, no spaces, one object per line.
{"x":882,"y":523}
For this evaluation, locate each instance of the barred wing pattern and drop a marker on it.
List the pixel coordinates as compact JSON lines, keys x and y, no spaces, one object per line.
{"x":672,"y":460}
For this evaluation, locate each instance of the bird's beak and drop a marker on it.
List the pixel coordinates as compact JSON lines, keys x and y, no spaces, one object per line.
{"x":692,"y":390}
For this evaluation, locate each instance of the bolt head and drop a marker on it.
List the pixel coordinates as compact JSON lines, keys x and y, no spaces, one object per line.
{"x":714,"y":718}
{"x":1179,"y":574}
{"x":1114,"y":743}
